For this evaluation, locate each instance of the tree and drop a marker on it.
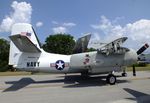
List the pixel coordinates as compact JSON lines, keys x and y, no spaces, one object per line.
{"x":91,"y":49}
{"x":59,"y":43}
{"x":4,"y":54}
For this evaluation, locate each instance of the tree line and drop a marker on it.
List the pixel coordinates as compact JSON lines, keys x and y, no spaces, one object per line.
{"x":4,"y":54}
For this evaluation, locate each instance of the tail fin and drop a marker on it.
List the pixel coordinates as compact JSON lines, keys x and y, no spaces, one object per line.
{"x":23,"y":39}
{"x":82,"y":44}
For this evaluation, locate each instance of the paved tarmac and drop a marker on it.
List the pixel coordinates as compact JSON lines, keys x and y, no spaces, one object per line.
{"x":74,"y":89}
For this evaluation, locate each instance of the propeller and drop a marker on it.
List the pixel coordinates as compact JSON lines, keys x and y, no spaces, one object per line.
{"x":140,"y":51}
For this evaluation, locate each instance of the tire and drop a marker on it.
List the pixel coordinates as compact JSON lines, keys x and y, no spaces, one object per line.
{"x":111,"y":79}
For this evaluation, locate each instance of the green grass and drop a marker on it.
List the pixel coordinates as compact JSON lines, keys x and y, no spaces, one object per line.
{"x":9,"y":73}
{"x":140,"y":68}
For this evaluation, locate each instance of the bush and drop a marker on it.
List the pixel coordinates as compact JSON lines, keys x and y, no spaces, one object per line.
{"x":3,"y":66}
{"x":4,"y":54}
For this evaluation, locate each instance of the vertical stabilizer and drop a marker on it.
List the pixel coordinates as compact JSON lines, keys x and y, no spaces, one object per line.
{"x":22,"y":29}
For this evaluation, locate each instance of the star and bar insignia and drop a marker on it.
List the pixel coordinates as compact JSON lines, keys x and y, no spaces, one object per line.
{"x":59,"y":64}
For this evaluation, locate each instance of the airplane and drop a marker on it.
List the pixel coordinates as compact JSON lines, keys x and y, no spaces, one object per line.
{"x":26,"y":54}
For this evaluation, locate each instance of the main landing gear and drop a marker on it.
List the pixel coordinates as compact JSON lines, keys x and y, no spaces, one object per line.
{"x":124,"y":74}
{"x":111,"y":79}
{"x":85,"y":74}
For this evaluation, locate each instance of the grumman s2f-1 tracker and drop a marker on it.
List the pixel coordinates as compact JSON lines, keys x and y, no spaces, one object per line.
{"x":26,"y":54}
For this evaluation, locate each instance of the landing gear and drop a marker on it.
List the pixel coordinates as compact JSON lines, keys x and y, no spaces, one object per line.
{"x":111,"y":79}
{"x":124,"y":74}
{"x":85,"y":74}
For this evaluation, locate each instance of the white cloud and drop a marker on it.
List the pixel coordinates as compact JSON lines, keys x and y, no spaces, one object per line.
{"x":55,"y":22}
{"x":39,"y":24}
{"x":6,"y":24}
{"x":140,"y":30}
{"x":69,"y":24}
{"x":65,"y":24}
{"x":110,"y":30}
{"x":96,"y":36}
{"x":21,"y":14}
{"x":60,"y":29}
{"x":95,"y":39}
{"x":137,"y":32}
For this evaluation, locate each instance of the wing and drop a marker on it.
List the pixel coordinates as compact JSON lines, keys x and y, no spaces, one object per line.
{"x":114,"y":46}
{"x":24,"y":44}
{"x":116,"y":42}
{"x":81,"y":44}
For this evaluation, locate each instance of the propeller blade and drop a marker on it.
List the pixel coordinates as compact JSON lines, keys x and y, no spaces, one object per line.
{"x":142,"y":49}
{"x":134,"y":71}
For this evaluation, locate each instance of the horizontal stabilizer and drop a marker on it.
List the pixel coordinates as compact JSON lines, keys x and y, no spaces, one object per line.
{"x":24,"y":44}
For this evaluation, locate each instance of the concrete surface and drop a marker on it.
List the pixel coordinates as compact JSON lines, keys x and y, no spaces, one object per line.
{"x":74,"y":89}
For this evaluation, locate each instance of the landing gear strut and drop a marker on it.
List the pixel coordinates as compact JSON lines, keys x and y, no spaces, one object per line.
{"x":124,"y":74}
{"x":85,"y":74}
{"x":111,"y":79}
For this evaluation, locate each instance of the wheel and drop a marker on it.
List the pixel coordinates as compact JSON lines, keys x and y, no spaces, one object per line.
{"x":124,"y":74}
{"x":111,"y":79}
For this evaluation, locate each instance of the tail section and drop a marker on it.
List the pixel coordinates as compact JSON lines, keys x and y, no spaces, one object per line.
{"x":82,"y":44}
{"x":23,"y":39}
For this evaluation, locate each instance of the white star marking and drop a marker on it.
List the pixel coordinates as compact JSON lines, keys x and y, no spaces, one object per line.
{"x":60,"y":64}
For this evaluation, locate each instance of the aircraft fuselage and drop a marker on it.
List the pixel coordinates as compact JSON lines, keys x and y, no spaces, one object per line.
{"x":94,"y":62}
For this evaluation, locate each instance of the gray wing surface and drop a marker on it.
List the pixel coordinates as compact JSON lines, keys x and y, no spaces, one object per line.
{"x":114,"y":46}
{"x":116,"y":42}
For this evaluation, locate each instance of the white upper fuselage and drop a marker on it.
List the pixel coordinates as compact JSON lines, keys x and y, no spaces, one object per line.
{"x":45,"y":62}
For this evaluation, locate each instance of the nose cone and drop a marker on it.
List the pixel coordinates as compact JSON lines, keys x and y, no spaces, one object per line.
{"x":130,"y":57}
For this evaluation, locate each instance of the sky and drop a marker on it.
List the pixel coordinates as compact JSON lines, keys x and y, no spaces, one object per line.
{"x":106,"y":20}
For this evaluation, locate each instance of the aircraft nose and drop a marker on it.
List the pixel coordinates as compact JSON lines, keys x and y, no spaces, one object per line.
{"x":130,"y":58}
